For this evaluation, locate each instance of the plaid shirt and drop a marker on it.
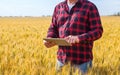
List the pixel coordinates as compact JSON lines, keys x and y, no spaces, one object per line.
{"x":83,"y":21}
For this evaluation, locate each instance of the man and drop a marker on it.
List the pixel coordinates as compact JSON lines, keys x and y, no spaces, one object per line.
{"x":78,"y":22}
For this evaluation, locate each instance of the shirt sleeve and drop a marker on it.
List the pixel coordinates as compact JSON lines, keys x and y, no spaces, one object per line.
{"x":95,"y":26}
{"x":53,"y":29}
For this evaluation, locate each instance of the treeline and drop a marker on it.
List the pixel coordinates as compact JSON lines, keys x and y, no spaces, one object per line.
{"x":26,"y":16}
{"x":116,"y":14}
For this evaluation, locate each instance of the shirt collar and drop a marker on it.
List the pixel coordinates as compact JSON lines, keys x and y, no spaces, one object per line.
{"x":79,"y":1}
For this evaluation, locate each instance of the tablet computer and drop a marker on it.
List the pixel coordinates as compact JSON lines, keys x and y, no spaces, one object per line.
{"x":58,"y":41}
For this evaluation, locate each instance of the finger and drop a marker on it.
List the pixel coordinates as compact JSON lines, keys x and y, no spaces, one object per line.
{"x":71,"y":40}
{"x":77,"y":40}
{"x":48,"y":44}
{"x":70,"y":36}
{"x":74,"y":40}
{"x":52,"y":43}
{"x":44,"y":41}
{"x":67,"y":38}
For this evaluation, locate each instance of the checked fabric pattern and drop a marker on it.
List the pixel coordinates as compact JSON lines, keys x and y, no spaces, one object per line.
{"x":83,"y":21}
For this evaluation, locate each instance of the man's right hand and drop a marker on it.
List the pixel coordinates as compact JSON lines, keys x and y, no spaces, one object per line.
{"x":49,"y":44}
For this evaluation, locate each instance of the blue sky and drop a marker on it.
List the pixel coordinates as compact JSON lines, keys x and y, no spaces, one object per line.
{"x":46,"y":7}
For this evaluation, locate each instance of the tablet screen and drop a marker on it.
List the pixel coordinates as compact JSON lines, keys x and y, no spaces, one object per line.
{"x":58,"y":41}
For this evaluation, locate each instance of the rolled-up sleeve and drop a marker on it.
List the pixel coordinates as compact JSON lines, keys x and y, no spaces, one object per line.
{"x":95,"y":26}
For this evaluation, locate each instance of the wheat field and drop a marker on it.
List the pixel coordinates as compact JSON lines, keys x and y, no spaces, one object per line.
{"x":22,"y":51}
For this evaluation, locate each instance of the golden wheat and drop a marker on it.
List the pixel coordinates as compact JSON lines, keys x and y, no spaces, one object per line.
{"x":22,"y":51}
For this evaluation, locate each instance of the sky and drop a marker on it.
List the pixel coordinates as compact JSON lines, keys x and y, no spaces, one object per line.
{"x":46,"y":7}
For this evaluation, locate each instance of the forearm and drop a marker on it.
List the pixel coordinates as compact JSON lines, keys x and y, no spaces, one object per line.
{"x":91,"y":35}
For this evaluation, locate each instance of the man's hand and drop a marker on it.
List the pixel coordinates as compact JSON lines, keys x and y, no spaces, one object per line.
{"x":72,"y":39}
{"x":49,"y":44}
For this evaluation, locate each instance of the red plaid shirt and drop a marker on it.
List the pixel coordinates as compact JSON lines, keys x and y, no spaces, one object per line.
{"x":83,"y":21}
